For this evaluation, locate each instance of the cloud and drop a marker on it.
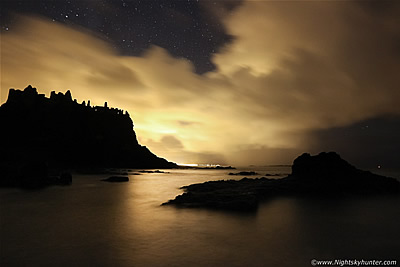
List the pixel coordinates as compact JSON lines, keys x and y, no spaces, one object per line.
{"x":171,"y":146}
{"x":292,"y":68}
{"x":366,"y":144}
{"x":316,"y":64}
{"x":187,"y":123}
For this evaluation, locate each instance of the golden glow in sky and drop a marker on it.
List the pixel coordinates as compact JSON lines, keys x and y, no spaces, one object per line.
{"x":291,"y":69}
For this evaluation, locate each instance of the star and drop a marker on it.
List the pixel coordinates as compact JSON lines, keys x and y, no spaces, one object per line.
{"x":142,"y":22}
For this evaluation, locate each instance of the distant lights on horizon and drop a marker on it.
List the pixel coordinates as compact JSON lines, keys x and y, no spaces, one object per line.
{"x":198,"y":164}
{"x":205,"y":165}
{"x":188,"y":164}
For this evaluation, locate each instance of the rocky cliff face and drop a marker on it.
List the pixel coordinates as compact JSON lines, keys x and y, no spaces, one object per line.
{"x":62,"y":132}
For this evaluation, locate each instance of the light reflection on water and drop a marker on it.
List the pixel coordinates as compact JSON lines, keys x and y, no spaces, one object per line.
{"x":123,"y":224}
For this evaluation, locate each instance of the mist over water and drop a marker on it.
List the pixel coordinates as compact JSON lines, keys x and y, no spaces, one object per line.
{"x":122,"y":224}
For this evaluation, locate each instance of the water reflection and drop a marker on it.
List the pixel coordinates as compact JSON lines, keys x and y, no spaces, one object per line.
{"x":112,"y":224}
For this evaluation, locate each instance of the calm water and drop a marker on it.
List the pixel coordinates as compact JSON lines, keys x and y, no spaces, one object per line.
{"x":93,"y":223}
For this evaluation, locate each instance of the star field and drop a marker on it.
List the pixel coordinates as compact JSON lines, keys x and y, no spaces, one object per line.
{"x":186,"y":29}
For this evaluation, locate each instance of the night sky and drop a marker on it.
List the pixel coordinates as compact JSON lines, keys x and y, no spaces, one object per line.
{"x":228,"y":82}
{"x":185,"y":28}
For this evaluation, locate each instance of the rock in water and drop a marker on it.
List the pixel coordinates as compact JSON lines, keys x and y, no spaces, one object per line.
{"x":243,"y":173}
{"x":329,"y":173}
{"x":117,"y":179}
{"x":34,"y":174}
{"x":324,"y":165}
{"x":65,"y":178}
{"x":321,"y":175}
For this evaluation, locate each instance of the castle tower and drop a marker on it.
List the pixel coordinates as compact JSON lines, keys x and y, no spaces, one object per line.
{"x":68,"y":95}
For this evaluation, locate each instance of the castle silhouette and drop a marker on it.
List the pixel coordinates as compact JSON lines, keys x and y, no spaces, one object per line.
{"x":30,"y":96}
{"x":63,"y":133}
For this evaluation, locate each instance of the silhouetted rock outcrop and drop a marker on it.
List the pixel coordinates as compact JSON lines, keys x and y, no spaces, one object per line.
{"x":31,"y":174}
{"x":65,"y":178}
{"x":323,"y":166}
{"x":62,"y":133}
{"x":213,"y":168}
{"x":243,"y":173}
{"x":274,"y":174}
{"x":114,"y":179}
{"x":321,"y":175}
{"x":157,"y":171}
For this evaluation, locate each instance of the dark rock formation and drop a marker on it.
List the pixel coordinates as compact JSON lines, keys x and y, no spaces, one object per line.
{"x":243,"y":173}
{"x":274,"y":174}
{"x":65,"y":178}
{"x":224,"y":168}
{"x":157,"y":171}
{"x":230,"y":194}
{"x":114,"y":179}
{"x":65,"y":134}
{"x":326,"y":174}
{"x":329,"y":173}
{"x":324,"y":166}
{"x":213,"y":168}
{"x":32,"y":174}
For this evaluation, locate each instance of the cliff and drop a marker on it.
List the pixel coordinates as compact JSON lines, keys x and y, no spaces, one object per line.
{"x":64,"y":133}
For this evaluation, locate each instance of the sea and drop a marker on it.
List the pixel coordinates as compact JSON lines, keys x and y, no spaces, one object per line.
{"x":96,"y":223}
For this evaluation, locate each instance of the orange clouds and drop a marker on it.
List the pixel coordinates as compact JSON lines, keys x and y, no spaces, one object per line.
{"x":293,"y":67}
